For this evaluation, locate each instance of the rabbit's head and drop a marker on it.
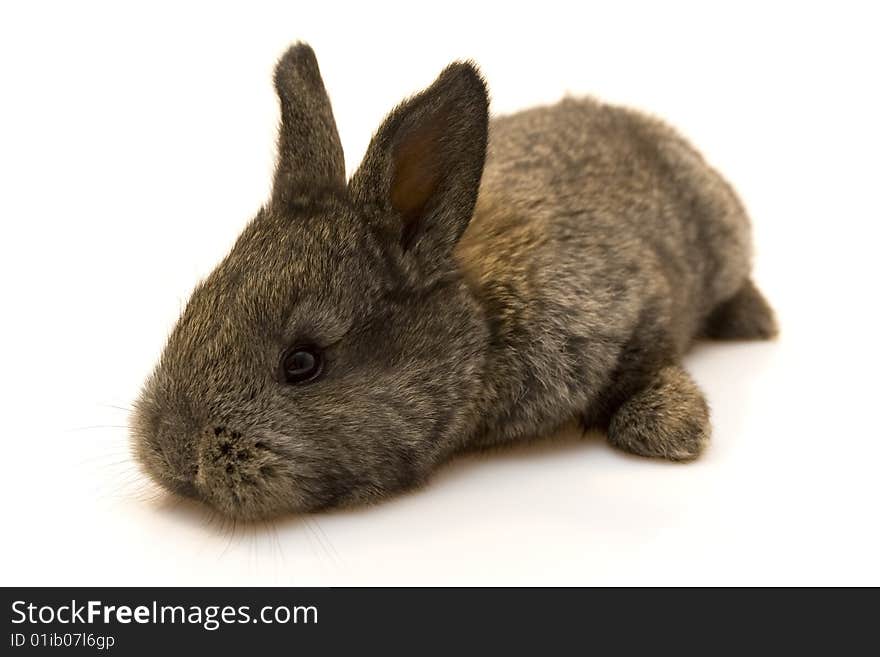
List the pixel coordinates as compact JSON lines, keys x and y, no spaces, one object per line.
{"x":335,"y":354}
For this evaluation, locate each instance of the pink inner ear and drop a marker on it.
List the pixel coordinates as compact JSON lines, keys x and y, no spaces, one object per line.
{"x":417,"y":174}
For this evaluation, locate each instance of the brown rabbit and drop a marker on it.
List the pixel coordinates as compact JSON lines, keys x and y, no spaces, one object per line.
{"x":450,"y":295}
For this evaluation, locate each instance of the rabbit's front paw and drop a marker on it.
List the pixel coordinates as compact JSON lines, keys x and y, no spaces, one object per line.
{"x":668,"y":418}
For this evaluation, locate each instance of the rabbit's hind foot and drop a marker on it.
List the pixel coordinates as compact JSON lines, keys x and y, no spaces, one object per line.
{"x":745,"y":316}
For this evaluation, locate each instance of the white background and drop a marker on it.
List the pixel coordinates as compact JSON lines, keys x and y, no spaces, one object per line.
{"x":135,"y":143}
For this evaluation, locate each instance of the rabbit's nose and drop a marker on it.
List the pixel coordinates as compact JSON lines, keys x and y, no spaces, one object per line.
{"x":186,"y":488}
{"x":181,"y":470}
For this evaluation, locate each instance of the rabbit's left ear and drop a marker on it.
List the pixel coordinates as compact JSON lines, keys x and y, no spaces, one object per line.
{"x":309,"y":150}
{"x":423,"y":167}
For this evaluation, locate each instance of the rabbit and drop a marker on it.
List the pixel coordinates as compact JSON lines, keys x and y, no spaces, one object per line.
{"x":475,"y":283}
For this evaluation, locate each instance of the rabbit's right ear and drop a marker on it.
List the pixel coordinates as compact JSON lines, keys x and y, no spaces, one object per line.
{"x":309,"y":150}
{"x":423,"y":167}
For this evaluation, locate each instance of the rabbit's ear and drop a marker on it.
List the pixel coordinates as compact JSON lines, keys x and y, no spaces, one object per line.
{"x":309,"y":150}
{"x":423,"y":167}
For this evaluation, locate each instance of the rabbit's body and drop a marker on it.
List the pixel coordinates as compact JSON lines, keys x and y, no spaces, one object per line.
{"x":597,"y":230}
{"x":362,"y":331}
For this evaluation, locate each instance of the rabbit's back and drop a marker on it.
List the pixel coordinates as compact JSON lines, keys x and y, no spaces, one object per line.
{"x":594,"y":224}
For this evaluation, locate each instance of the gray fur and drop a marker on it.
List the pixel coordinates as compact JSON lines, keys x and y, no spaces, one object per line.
{"x":465,"y":295}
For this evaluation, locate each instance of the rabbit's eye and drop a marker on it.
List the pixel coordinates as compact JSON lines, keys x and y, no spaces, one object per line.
{"x":302,"y":364}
